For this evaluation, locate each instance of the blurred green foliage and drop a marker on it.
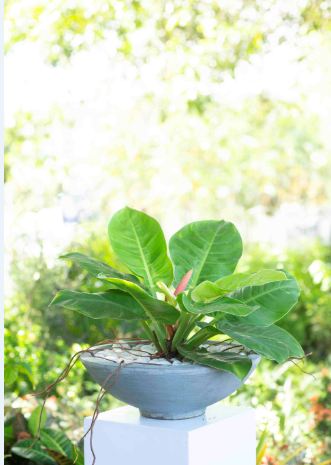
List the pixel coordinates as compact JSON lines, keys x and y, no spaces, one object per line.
{"x":31,"y":440}
{"x":293,"y":409}
{"x":200,"y":104}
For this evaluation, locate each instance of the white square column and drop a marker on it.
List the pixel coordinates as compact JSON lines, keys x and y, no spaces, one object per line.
{"x":224,"y":436}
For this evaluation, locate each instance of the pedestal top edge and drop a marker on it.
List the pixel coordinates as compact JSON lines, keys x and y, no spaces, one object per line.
{"x":130,"y":416}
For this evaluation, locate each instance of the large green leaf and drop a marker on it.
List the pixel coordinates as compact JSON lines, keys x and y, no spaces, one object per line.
{"x":138,"y":241}
{"x":211,"y":248}
{"x":31,"y":449}
{"x":113,"y":304}
{"x":57,"y":441}
{"x":272,"y":342}
{"x":207,"y":290}
{"x":155,"y":309}
{"x":237,"y":364}
{"x":95,"y":267}
{"x":223,"y":304}
{"x":273,"y":300}
{"x":38,"y":415}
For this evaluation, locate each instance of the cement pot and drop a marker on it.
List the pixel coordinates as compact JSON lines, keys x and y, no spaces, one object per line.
{"x":165,"y":392}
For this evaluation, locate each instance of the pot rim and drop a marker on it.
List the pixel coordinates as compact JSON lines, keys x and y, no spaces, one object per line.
{"x":87,"y":357}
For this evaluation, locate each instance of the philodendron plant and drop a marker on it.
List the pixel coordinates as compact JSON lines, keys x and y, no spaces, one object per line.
{"x":184,"y":300}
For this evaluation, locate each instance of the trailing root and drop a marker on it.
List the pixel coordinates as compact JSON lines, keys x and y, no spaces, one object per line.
{"x":110,"y":380}
{"x":111,"y":377}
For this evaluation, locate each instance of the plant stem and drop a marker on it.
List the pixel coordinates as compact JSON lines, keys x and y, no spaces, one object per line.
{"x":185,"y":322}
{"x":201,"y":336}
{"x":261,"y":447}
{"x":168,"y":295}
{"x":150,"y":335}
{"x":161,"y":336}
{"x":190,"y":326}
{"x":157,"y":334}
{"x":170,"y":331}
{"x":157,"y":337}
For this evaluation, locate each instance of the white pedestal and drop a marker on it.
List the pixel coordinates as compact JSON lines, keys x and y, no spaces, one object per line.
{"x":224,"y":436}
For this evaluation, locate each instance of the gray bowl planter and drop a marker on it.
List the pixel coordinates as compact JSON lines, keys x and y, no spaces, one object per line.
{"x":165,"y":392}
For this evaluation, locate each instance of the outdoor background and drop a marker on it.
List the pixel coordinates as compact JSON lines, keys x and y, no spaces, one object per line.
{"x":189,"y":110}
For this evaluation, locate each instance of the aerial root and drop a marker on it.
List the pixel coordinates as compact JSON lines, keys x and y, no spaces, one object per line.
{"x":111,"y":378}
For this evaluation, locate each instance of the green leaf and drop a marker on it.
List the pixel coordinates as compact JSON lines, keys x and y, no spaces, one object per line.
{"x":80,"y":456}
{"x":237,"y":364}
{"x":273,"y":300}
{"x":259,"y":278}
{"x":138,"y":241}
{"x":59,"y":458}
{"x":25,"y":369}
{"x":211,"y":248}
{"x":207,"y":291}
{"x":35,"y":418}
{"x":261,"y":447}
{"x":272,"y":342}
{"x":223,"y":304}
{"x":95,"y":267}
{"x":9,"y":435}
{"x":11,"y":373}
{"x":30,"y":449}
{"x":57,"y":441}
{"x":153,"y":308}
{"x":113,"y":304}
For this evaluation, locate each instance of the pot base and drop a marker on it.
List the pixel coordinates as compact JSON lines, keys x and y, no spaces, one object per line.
{"x":175,"y":416}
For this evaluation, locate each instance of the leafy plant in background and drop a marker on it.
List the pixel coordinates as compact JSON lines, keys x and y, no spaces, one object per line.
{"x":196,"y":292}
{"x":321,"y":409}
{"x":30,"y":439}
{"x":293,"y":434}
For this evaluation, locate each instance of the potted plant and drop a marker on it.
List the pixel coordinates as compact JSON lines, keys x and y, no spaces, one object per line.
{"x":205,"y":326}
